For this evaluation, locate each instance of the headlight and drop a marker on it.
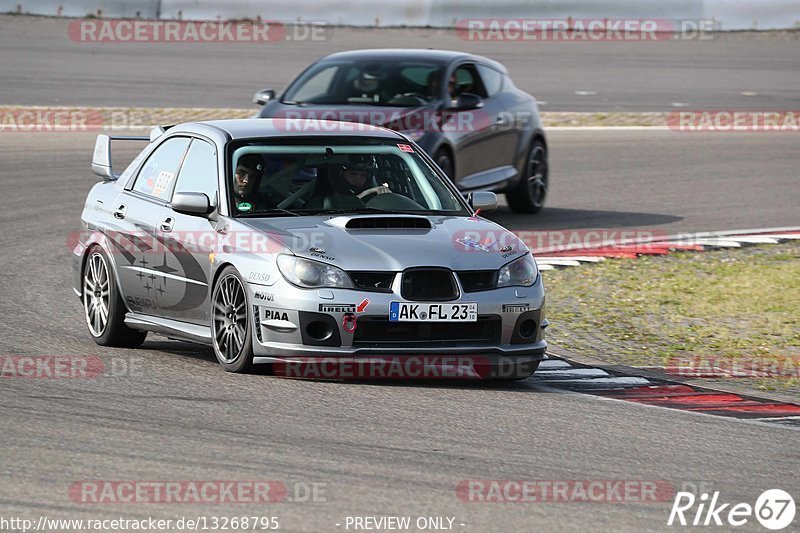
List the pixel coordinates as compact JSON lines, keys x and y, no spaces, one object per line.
{"x":312,"y":274}
{"x":519,"y":272}
{"x":414,"y":135}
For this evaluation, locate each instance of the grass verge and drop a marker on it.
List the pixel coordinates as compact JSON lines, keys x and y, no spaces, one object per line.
{"x":741,"y":305}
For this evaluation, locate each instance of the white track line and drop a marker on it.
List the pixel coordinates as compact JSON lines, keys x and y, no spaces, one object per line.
{"x":753,"y":239}
{"x":778,"y":418}
{"x":616,"y":381}
{"x":553,"y":364}
{"x":608,"y":128}
{"x":558,"y":262}
{"x":788,"y":236}
{"x":719,"y":243}
{"x":581,"y":258}
{"x":571,"y":373}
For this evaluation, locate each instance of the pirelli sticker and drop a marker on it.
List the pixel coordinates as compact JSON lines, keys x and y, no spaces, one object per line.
{"x":516,"y":308}
{"x":334,"y":308}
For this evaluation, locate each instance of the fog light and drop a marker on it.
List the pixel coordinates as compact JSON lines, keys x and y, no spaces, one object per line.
{"x":527,"y":329}
{"x":319,"y":331}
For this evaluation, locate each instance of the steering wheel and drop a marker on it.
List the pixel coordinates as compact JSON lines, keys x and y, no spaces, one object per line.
{"x":418,"y":98}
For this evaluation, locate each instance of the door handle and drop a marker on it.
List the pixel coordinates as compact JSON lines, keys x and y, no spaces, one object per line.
{"x":120,"y":212}
{"x":166,"y":224}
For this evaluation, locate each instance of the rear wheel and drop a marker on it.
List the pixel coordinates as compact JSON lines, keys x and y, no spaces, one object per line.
{"x":230,"y":325}
{"x":103,"y":307}
{"x":531,"y":192}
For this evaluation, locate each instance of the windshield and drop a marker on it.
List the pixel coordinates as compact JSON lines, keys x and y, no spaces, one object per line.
{"x":385,"y":83}
{"x":270,"y":180}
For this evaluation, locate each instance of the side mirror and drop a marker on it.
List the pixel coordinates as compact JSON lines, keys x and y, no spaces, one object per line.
{"x":191,"y":203}
{"x":484,"y":200}
{"x":263,"y":96}
{"x":465,"y":102}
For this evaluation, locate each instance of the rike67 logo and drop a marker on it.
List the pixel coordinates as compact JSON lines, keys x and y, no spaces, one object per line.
{"x":774,"y":509}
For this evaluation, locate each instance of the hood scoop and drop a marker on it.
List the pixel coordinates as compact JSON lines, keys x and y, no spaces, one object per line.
{"x":392,"y":222}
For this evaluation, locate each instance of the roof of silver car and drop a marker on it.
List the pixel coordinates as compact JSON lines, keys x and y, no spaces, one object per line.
{"x":275,"y":127}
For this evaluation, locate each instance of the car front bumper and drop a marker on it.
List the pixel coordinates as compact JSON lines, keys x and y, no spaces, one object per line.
{"x":290,"y":323}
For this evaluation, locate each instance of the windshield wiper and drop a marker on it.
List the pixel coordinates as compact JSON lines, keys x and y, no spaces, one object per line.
{"x":270,"y":213}
{"x":358,"y":210}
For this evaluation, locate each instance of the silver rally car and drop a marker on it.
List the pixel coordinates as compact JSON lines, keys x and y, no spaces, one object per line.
{"x":275,"y":241}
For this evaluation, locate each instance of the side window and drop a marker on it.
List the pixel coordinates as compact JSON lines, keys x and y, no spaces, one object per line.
{"x":199,"y":170}
{"x":315,"y":86}
{"x":158,"y":174}
{"x":492,"y":80}
{"x":468,"y":81}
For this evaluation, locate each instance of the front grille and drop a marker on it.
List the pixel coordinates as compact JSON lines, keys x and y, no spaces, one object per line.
{"x":373,"y":281}
{"x":478,"y":280}
{"x":429,"y":285}
{"x":388,"y":223}
{"x":379,"y":332}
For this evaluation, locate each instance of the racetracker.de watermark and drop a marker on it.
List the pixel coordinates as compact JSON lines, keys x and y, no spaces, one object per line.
{"x":69,"y":367}
{"x":564,"y":491}
{"x":408,"y":121}
{"x":195,"y":32}
{"x":141,"y":243}
{"x":734,"y":121}
{"x":209,"y":492}
{"x":397,"y":367}
{"x":553,"y":241}
{"x":70,"y":120}
{"x":715,"y":366}
{"x":582,"y":30}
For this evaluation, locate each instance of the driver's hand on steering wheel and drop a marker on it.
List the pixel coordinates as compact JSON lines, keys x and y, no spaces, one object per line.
{"x":380,"y":189}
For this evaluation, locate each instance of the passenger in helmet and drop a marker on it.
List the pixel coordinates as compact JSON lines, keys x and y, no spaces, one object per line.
{"x":246,"y":180}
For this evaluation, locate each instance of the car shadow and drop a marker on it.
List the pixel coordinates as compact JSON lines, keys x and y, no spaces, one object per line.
{"x":558,"y":218}
{"x":201,"y":352}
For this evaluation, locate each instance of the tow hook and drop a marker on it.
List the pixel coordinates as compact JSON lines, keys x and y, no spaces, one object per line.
{"x":349,"y":322}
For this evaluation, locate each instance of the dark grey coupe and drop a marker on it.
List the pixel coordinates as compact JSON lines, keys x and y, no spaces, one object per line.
{"x":462,"y":109}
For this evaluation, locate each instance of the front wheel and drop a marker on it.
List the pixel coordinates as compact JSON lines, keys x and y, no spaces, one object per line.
{"x":531,"y":192}
{"x":103,"y":307}
{"x":230,"y":324}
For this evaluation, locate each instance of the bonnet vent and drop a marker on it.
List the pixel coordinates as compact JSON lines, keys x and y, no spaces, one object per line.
{"x":388,"y":223}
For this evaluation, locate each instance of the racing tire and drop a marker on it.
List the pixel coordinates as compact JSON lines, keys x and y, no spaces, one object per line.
{"x":529,"y":195}
{"x":103,"y":307}
{"x":231,"y":331}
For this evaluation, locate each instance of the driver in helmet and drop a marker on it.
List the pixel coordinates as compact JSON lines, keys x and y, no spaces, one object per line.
{"x":359,"y":177}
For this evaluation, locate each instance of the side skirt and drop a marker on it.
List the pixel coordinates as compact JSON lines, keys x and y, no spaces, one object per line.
{"x":170,"y":328}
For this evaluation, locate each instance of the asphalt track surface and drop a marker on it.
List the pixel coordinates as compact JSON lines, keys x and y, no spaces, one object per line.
{"x":42,"y":66}
{"x":379,"y":448}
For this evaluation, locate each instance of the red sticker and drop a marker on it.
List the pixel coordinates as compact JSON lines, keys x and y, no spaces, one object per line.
{"x":406,"y":148}
{"x":362,"y":306}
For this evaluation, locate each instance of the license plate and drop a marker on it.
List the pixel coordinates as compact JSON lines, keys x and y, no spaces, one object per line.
{"x":431,"y":312}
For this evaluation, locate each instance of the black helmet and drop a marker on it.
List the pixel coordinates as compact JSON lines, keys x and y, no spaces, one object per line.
{"x":251,"y":161}
{"x":362,"y":162}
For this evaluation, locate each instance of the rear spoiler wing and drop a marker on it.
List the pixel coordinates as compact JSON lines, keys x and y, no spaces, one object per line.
{"x":101,"y":158}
